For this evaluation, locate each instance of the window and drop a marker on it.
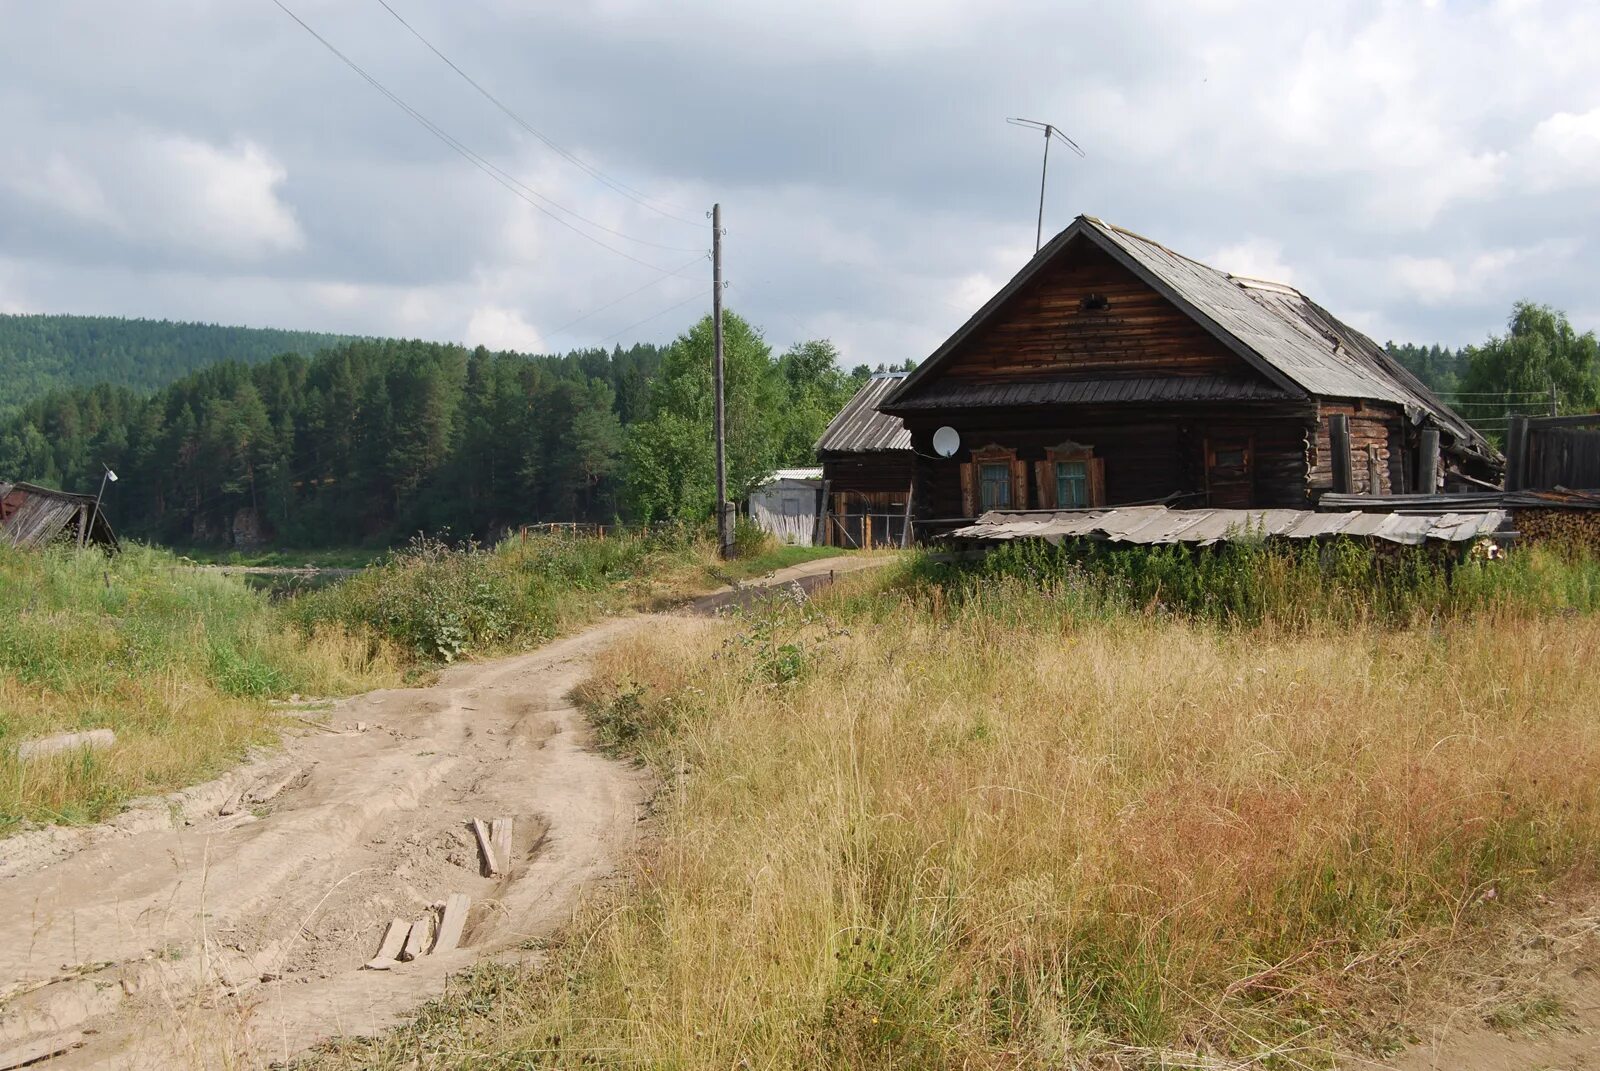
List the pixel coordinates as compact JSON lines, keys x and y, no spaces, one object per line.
{"x":791,"y":507}
{"x":994,"y":485}
{"x":1072,"y":484}
{"x":1070,"y":477}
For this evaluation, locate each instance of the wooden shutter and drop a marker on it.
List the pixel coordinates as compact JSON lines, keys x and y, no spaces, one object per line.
{"x":1097,"y":481}
{"x":1019,"y":484}
{"x":969,"y":490}
{"x":1045,"y":484}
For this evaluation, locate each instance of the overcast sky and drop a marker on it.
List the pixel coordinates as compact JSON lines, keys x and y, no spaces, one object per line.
{"x":1414,"y":166}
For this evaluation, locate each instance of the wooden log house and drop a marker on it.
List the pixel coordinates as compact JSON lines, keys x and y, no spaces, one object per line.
{"x":1114,"y":371}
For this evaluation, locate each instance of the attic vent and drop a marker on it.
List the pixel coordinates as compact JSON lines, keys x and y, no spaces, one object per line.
{"x":1094,"y":303}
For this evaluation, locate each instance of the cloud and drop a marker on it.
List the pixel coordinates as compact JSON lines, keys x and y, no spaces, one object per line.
{"x":1565,"y":151}
{"x":212,"y":197}
{"x":1254,"y":258}
{"x":1435,"y":280}
{"x":502,"y":329}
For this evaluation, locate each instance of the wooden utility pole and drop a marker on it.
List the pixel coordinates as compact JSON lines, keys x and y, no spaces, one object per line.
{"x":724,"y":508}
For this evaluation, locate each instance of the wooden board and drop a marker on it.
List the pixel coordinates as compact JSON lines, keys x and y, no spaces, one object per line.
{"x":394,"y":939}
{"x":418,"y":938}
{"x":500,"y":837}
{"x":491,"y":865}
{"x":453,"y":923}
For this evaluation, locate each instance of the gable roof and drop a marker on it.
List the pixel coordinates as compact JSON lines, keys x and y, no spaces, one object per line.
{"x":1296,"y":344}
{"x":860,"y":428}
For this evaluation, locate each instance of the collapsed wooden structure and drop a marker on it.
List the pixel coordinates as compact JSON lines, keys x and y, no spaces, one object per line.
{"x":33,"y":517}
{"x":1113,"y":371}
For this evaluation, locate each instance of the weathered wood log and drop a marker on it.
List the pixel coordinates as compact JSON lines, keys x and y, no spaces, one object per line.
{"x":54,"y":745}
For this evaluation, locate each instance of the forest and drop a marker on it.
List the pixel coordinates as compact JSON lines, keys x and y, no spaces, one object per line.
{"x":373,"y":440}
{"x":40,"y":353}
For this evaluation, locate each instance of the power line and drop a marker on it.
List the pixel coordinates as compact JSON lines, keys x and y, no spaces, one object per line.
{"x":653,"y":282}
{"x":656,"y":316}
{"x":616,"y":184}
{"x":515,"y":186}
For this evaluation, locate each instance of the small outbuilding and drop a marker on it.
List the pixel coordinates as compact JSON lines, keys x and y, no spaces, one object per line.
{"x":33,"y":517}
{"x":867,"y":471}
{"x":786,"y":505}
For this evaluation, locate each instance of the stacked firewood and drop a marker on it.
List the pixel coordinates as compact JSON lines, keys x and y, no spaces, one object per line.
{"x":1569,"y":527}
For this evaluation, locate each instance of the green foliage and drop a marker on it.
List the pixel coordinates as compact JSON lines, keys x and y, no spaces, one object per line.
{"x":776,"y":410}
{"x":1540,"y":349}
{"x":440,"y":603}
{"x":41,"y":354}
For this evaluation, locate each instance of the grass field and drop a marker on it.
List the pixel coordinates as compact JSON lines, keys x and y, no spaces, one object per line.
{"x":931,"y":823}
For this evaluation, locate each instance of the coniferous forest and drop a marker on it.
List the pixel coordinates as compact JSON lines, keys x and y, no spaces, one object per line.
{"x":372,"y":440}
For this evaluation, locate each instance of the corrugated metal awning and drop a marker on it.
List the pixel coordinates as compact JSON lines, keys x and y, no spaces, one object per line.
{"x":1149,"y":525}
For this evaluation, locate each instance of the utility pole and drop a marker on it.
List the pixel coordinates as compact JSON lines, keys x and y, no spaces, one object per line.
{"x":724,"y":508}
{"x":1051,"y":132}
{"x":1553,"y":400}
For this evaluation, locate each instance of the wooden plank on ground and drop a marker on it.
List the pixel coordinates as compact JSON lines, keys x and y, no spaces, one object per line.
{"x":418,"y":938}
{"x":500,"y":836}
{"x":453,"y":923}
{"x":394,"y":939}
{"x":491,"y":866}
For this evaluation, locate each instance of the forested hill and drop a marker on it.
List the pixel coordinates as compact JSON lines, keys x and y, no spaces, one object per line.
{"x":377,"y":439}
{"x":39,"y":354}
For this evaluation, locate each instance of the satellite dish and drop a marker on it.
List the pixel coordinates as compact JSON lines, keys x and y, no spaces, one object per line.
{"x":946,"y":441}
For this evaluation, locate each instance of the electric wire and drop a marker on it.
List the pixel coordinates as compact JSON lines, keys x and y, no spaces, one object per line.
{"x":616,"y":184}
{"x":512,"y":184}
{"x":653,"y":282}
{"x":656,"y":316}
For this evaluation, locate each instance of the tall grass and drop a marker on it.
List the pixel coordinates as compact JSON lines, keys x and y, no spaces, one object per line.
{"x":1020,"y":824}
{"x":179,"y":663}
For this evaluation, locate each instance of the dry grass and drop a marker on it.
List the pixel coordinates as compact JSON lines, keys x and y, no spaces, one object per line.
{"x":909,"y":835}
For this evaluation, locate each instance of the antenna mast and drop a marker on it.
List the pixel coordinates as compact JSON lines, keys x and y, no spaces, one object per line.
{"x":1051,"y":133}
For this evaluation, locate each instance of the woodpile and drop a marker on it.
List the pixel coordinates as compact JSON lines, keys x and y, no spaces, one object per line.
{"x":1579,"y":528}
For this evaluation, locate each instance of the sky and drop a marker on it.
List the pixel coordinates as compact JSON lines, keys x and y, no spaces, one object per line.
{"x":1414,"y":166}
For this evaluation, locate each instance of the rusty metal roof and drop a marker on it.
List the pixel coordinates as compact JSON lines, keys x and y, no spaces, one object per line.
{"x":1160,"y":525}
{"x":957,"y":393}
{"x":1293,"y":342}
{"x":860,"y":428}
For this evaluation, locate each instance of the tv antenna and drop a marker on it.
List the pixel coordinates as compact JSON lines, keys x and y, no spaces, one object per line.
{"x":1051,"y":133}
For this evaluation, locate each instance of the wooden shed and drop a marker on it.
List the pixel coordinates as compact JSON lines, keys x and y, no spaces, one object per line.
{"x":866,"y":471}
{"x":785,"y":506}
{"x":32,"y":517}
{"x":1113,"y":371}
